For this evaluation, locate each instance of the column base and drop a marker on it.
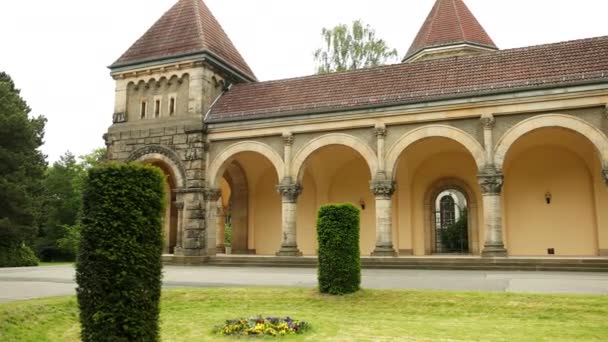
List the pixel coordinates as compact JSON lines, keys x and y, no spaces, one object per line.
{"x":289,"y":251}
{"x":384,"y":252}
{"x":494,"y":252}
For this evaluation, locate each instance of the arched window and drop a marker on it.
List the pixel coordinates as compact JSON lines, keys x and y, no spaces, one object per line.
{"x":451,"y":222}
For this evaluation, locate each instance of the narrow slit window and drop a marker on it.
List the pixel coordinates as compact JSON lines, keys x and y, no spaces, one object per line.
{"x":142,"y":111}
{"x":172,"y":106}
{"x":157,"y":108}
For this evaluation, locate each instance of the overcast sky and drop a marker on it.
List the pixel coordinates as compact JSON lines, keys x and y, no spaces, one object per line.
{"x":58,"y":51}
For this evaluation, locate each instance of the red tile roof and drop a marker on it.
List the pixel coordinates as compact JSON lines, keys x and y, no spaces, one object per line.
{"x":188,"y":27}
{"x":450,"y":22}
{"x":544,"y":66}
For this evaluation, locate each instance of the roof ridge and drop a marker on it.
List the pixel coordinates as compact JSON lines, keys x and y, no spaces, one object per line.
{"x":199,"y":27}
{"x":464,"y":36}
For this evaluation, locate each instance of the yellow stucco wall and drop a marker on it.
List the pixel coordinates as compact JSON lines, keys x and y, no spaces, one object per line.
{"x":562,"y":163}
{"x":420,"y":167}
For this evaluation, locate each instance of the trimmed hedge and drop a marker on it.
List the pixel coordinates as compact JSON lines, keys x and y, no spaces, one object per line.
{"x":339,"y":254}
{"x":17,"y":256}
{"x":119,"y":267}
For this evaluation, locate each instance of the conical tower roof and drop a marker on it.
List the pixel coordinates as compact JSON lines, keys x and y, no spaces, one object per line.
{"x":450,"y":23}
{"x":188,"y":28}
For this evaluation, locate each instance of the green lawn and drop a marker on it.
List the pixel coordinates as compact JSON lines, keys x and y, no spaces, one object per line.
{"x":370,"y":315}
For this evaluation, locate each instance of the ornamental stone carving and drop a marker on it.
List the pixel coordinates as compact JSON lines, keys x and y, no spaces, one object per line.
{"x":487,"y":122}
{"x":491,"y":182}
{"x":119,"y":118}
{"x":212,"y":195}
{"x":380,"y":132}
{"x":288,"y":139}
{"x":290,"y":192}
{"x":383,"y":189}
{"x":162,"y":150}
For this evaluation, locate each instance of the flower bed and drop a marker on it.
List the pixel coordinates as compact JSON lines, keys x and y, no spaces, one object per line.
{"x":259,"y":326}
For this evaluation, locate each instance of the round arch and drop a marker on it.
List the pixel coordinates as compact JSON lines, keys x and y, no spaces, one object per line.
{"x":458,"y":135}
{"x":219,"y":164}
{"x":593,"y":134}
{"x":334,"y":139}
{"x":165,"y":155}
{"x":432,"y":192}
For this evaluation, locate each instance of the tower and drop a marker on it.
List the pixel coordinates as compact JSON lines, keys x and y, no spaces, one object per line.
{"x":449,"y":30}
{"x":165,"y":83}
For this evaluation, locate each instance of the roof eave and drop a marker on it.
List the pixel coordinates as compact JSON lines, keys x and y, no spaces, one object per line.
{"x":204,"y":55}
{"x":410,"y":57}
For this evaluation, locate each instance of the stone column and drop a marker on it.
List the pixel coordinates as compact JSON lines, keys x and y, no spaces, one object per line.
{"x":212,"y":197}
{"x":487,"y":123}
{"x":289,"y":244}
{"x":179,"y":249}
{"x":221,"y":228}
{"x":193,"y":223}
{"x":287,"y":144}
{"x":491,"y":186}
{"x":384,"y":190}
{"x":380,"y":138}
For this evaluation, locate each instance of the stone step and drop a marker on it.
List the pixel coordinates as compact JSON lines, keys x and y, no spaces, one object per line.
{"x":570,"y":265}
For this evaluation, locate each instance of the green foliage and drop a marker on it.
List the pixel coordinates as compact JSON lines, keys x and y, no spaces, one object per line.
{"x":17,"y":257}
{"x":60,"y":218}
{"x":350,"y":48}
{"x":228,"y":235}
{"x":21,"y":168}
{"x":455,"y":237}
{"x":119,"y":261}
{"x":339,"y":255}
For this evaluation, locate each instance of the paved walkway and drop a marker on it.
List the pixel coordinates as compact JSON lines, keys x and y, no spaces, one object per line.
{"x":38,"y":282}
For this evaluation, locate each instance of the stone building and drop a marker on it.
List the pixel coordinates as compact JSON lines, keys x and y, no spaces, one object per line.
{"x":515,"y":141}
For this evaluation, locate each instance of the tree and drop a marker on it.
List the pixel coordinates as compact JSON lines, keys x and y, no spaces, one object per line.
{"x":62,"y":197}
{"x":350,"y":48}
{"x":22,"y":168}
{"x":60,"y":223}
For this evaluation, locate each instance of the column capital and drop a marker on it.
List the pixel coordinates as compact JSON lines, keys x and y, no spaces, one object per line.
{"x":290,"y":192}
{"x":491,"y":182}
{"x":212,"y":194}
{"x":383,"y":188}
{"x":288,"y":138}
{"x":487,"y":122}
{"x":380,"y":131}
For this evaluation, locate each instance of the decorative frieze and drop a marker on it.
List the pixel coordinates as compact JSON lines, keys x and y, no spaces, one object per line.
{"x":383,"y":188}
{"x":290,"y":192}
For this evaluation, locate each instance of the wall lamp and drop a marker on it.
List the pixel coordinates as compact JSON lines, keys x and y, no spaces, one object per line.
{"x":362,"y":204}
{"x":548,"y":197}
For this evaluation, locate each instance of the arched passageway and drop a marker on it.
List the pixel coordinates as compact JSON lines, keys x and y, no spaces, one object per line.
{"x":551,"y":193}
